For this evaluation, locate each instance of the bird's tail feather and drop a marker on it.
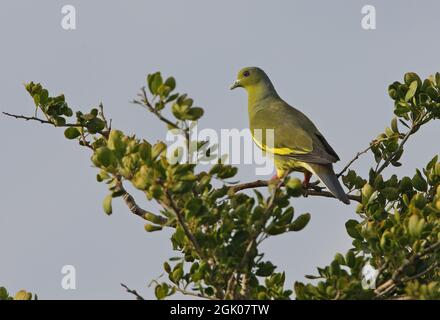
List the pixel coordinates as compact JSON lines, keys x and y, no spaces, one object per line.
{"x":328,"y":177}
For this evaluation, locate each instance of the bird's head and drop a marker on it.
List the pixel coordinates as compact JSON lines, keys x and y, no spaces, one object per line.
{"x":248,"y":77}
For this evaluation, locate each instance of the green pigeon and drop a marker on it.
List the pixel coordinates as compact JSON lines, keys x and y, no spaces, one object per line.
{"x":297,"y":144}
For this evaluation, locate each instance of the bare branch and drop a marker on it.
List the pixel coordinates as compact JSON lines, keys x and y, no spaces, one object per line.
{"x":146,"y":103}
{"x":17,"y":116}
{"x":133,"y":292}
{"x":308,"y":192}
{"x":372,"y":144}
{"x":135,"y":209}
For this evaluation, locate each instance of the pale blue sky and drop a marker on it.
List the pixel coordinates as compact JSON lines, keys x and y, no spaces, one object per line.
{"x":316,"y":53}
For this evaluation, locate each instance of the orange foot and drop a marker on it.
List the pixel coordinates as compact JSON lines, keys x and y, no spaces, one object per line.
{"x":306,"y":181}
{"x":275,"y":178}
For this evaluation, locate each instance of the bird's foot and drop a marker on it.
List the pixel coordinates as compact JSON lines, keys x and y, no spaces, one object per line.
{"x":274,"y":179}
{"x":306,"y":181}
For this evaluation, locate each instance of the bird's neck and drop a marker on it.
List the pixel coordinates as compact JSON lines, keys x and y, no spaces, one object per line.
{"x":259,"y":92}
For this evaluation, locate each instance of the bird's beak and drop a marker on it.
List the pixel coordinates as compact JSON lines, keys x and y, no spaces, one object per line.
{"x":236,"y":84}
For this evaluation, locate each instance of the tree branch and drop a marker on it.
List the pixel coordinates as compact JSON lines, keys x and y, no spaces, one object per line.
{"x":232,"y":282}
{"x":182,"y":222}
{"x":146,"y":103}
{"x":17,"y":116}
{"x":391,"y":157}
{"x":396,"y":278}
{"x":194,"y":294}
{"x":135,"y":209}
{"x":372,"y":144}
{"x":82,"y":141}
{"x":308,"y":192}
{"x":133,"y":292}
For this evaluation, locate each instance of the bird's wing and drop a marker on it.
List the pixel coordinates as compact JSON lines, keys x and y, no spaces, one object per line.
{"x":294,"y":134}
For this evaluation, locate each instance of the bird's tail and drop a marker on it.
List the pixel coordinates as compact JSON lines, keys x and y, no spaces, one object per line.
{"x":328,"y":177}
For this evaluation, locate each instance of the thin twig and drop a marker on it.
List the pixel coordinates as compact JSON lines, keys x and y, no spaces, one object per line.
{"x":422,"y":273}
{"x":146,"y":103}
{"x":108,"y":125}
{"x":189,"y":293}
{"x":133,"y":292}
{"x":83,"y":142}
{"x":18,"y":116}
{"x":372,"y":144}
{"x":396,"y":279}
{"x":391,"y":157}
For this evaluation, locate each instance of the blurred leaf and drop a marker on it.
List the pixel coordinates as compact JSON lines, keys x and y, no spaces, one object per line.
{"x":411,"y":91}
{"x":300,"y":223}
{"x":72,"y":133}
{"x":107,"y":204}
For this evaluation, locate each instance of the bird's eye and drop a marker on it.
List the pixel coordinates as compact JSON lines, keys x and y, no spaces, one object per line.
{"x":246,"y":73}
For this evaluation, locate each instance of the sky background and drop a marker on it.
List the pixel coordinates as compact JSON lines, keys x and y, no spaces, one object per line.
{"x":316,"y":53}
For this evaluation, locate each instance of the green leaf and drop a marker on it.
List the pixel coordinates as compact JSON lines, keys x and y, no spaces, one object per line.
{"x":390,"y":193}
{"x":116,"y":143}
{"x":432,"y":163}
{"x":394,"y":126}
{"x":23,"y":295}
{"x":410,"y":77}
{"x":179,"y":236}
{"x":67,"y":111}
{"x":411,"y":91}
{"x":275,"y":230}
{"x":265,"y":269}
{"x":351,"y":226}
{"x":157,"y":150}
{"x":4,"y":295}
{"x":155,"y":82}
{"x":350,"y":259}
{"x":226,"y":171}
{"x":287,"y":216}
{"x":415,"y":225}
{"x":405,"y":184}
{"x":166,"y":267}
{"x":72,"y":133}
{"x":193,"y":206}
{"x":102,"y":175}
{"x":177,"y":273}
{"x":145,"y":151}
{"x":105,"y":156}
{"x":367,"y":191}
{"x":294,"y":187}
{"x":171,"y":83}
{"x":107,"y":204}
{"x":339,"y":258}
{"x":300,"y":222}
{"x":44,"y":95}
{"x":151,"y":227}
{"x":419,"y":182}
{"x":95,"y":125}
{"x":160,"y":291}
{"x":194,"y":114}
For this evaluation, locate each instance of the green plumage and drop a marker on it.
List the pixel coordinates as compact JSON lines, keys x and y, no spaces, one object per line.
{"x":297,"y":144}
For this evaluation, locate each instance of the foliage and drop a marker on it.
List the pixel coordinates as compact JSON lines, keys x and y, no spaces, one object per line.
{"x":398,"y":230}
{"x":20,"y":295}
{"x":217,"y":228}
